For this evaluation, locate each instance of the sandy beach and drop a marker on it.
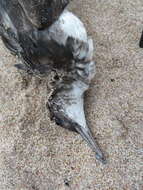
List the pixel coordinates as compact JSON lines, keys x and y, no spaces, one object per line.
{"x":36,"y":154}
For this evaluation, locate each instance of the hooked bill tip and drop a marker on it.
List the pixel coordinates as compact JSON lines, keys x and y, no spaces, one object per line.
{"x":101,"y":158}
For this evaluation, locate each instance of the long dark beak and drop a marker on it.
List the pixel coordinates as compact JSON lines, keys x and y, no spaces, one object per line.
{"x":141,"y":41}
{"x":88,"y":137}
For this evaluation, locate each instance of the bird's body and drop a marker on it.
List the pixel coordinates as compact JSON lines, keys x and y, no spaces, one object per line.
{"x":56,"y":42}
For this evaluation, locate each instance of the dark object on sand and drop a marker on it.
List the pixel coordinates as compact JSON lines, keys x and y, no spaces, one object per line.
{"x":141,"y":41}
{"x":46,"y":37}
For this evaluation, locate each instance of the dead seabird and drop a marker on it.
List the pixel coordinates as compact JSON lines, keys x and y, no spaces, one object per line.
{"x":49,"y":38}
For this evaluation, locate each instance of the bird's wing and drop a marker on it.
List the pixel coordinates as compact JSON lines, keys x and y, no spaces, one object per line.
{"x":17,"y":31}
{"x":11,"y":22}
{"x":37,"y":51}
{"x":42,"y":13}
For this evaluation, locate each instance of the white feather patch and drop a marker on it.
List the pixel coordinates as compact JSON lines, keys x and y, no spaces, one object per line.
{"x":68,"y":25}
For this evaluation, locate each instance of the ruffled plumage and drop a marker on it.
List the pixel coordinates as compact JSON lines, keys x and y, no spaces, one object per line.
{"x":48,"y":38}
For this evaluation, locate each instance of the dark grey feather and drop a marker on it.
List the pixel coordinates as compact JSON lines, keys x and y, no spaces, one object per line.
{"x":44,"y":12}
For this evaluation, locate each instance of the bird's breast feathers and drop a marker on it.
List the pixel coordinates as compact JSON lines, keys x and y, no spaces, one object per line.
{"x":68,"y":25}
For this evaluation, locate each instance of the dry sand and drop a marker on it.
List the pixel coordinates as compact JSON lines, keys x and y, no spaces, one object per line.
{"x":35,"y":154}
